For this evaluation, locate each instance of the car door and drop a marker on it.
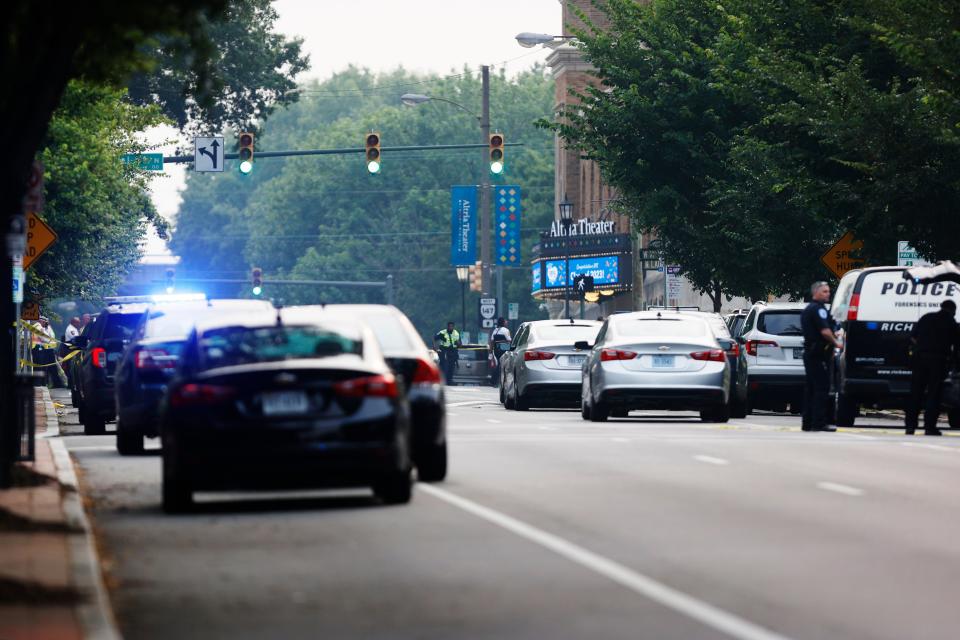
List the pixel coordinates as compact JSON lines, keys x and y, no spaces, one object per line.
{"x":506,"y":360}
{"x":516,"y":355}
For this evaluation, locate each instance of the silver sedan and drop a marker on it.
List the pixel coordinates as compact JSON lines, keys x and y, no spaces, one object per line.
{"x":542,"y":367}
{"x":655,"y":360}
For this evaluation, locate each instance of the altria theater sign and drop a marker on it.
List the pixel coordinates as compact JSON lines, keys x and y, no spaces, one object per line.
{"x":581,"y":227}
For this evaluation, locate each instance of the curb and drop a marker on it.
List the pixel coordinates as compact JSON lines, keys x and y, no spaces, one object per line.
{"x":53,"y":422}
{"x":94,"y":613}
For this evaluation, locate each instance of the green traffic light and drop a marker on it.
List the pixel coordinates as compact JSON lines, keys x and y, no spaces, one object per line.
{"x":257,"y":291}
{"x":496,"y":168}
{"x":246,"y":167}
{"x":373,"y":166}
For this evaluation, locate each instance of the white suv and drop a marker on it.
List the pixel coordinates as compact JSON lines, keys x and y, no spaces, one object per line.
{"x":772,"y":354}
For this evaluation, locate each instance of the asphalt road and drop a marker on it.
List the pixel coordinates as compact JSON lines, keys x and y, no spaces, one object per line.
{"x":656,"y":526}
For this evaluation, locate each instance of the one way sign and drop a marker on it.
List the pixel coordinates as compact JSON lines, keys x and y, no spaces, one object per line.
{"x":208,"y":154}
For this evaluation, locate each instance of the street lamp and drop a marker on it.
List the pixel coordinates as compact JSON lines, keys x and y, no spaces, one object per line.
{"x":566,"y":217}
{"x":462,"y":274}
{"x":530,"y":40}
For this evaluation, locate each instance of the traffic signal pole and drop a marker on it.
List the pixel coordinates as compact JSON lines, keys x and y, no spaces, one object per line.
{"x":485,"y":231}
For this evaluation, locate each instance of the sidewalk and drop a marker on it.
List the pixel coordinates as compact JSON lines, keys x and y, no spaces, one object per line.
{"x":50,"y":583}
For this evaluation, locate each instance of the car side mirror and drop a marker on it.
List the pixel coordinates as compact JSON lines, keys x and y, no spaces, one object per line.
{"x":582,"y":345}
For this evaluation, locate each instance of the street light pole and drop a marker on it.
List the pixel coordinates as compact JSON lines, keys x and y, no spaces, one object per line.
{"x":566,"y":217}
{"x":485,"y":179}
{"x":463,"y":273}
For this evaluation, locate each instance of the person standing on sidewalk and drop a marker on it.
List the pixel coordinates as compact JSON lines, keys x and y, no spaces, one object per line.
{"x":934,"y":341}
{"x":447,"y":342}
{"x":819,"y":341}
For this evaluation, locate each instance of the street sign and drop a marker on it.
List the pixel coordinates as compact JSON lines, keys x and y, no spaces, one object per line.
{"x":145,"y":161}
{"x":488,"y":313}
{"x":208,"y":154}
{"x":513,"y":311}
{"x":842,"y":256}
{"x":907,"y":256}
{"x":673,"y":285}
{"x":39,"y":238}
{"x":30,"y":311}
{"x":17,"y":282}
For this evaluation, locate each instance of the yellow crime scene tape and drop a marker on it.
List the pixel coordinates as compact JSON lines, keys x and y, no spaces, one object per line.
{"x":27,"y":363}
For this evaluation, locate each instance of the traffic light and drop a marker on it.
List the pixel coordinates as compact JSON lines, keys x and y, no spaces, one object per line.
{"x":170,"y":274}
{"x":246,"y":152}
{"x":476,"y":276}
{"x":373,"y":152}
{"x":497,"y":162}
{"x":257,"y":281}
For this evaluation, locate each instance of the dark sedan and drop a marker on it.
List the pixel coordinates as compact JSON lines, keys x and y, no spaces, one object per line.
{"x":149,"y":363}
{"x":283,"y":400}
{"x":409,"y":358}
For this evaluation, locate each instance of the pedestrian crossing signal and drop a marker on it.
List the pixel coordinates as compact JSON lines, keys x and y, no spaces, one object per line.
{"x":373,"y":152}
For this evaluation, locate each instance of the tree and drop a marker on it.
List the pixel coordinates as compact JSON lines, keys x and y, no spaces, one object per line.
{"x":98,"y":206}
{"x":252,"y":68}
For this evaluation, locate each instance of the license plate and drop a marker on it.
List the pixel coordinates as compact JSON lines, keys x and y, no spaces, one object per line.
{"x":284,"y":403}
{"x":798,"y":353}
{"x":663,"y":362}
{"x":575,"y":361}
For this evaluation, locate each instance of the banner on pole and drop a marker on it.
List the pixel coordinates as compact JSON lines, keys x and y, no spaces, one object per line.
{"x":507,"y":232}
{"x":463,"y":225}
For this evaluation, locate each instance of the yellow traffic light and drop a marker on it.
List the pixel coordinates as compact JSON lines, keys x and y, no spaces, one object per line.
{"x":246,"y":152}
{"x":373,"y":152}
{"x":497,"y":162}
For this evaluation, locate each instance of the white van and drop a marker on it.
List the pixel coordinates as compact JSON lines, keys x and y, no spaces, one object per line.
{"x":877,"y":308}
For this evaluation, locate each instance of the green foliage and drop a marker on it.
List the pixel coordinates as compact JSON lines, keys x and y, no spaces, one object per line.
{"x":751,"y":135}
{"x":325,"y":217}
{"x":251,"y":67}
{"x":98,"y":206}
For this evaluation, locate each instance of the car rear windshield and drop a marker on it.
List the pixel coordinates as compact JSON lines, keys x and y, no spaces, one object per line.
{"x":566,"y":332}
{"x":121,"y":325}
{"x":231,"y":346}
{"x":780,"y":323}
{"x":662,"y":327}
{"x":172,"y":323}
{"x":472,"y":353}
{"x":390,"y":332}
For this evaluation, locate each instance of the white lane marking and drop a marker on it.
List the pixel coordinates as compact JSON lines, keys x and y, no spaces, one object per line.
{"x":840,"y":488}
{"x":91,"y":447}
{"x":685,"y":604}
{"x":859,"y":436}
{"x":620,"y":439}
{"x":548,"y":428}
{"x":932,"y":447}
{"x":711,"y":460}
{"x":467,"y":403}
{"x":492,"y":421}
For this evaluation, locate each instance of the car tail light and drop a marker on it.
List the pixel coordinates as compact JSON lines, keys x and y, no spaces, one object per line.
{"x":384,"y":386}
{"x":99,"y":357}
{"x":607,"y":355}
{"x":854,"y":307}
{"x":538,"y":355}
{"x":734,"y":350}
{"x":426,"y":373}
{"x":192,"y":394}
{"x":713,"y":355}
{"x":154,"y":359}
{"x":753,"y":344}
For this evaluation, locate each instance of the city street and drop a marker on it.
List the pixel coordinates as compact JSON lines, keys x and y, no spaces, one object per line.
{"x":656,"y":526}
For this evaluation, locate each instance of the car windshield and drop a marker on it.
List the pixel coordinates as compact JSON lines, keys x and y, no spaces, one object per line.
{"x":656,"y":327}
{"x":780,"y":323}
{"x":566,"y":332}
{"x":230,"y":346}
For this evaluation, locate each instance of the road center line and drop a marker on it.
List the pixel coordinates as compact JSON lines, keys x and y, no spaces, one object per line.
{"x":711,"y":460}
{"x":840,"y":488}
{"x":658,"y":592}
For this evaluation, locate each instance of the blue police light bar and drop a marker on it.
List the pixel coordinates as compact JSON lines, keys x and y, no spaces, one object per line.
{"x":178,"y":297}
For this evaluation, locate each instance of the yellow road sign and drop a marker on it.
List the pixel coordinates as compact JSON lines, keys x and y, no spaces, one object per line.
{"x":843,"y":256}
{"x":39,"y":238}
{"x":30,"y":311}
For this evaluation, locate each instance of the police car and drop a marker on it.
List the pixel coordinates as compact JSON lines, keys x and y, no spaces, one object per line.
{"x":876,"y":309}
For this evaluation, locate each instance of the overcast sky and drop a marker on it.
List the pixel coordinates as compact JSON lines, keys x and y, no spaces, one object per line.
{"x":420,"y":35}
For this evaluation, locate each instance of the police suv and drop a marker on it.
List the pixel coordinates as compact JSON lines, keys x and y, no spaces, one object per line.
{"x":877,"y":308}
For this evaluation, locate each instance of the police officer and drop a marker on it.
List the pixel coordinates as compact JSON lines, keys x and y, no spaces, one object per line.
{"x":446,"y":343}
{"x":819,"y":341}
{"x":934,"y":340}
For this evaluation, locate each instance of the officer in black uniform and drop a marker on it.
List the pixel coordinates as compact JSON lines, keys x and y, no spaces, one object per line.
{"x":934,"y":341}
{"x":819,"y":341}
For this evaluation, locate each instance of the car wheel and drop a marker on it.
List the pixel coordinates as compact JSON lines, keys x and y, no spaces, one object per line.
{"x":176,"y":491}
{"x":503,"y":399}
{"x":522,"y":402}
{"x":432,"y":467}
{"x":129,"y":440}
{"x":93,"y":425}
{"x":846,"y":411}
{"x":599,"y":411}
{"x":584,"y":409}
{"x":509,"y":402}
{"x":395,"y":487}
{"x":738,"y":409}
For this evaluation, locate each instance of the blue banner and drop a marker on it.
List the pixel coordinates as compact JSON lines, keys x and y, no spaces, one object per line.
{"x":604,"y":269}
{"x":507,"y":231}
{"x":537,"y":282}
{"x":463,"y":225}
